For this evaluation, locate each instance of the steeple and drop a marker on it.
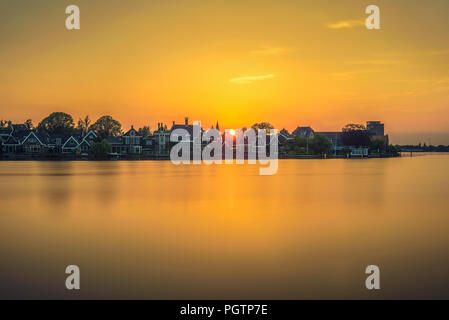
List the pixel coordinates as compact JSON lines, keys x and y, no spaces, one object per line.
{"x":217,"y":126}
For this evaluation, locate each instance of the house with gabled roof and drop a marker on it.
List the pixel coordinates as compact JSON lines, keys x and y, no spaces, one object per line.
{"x":19,"y":127}
{"x":18,"y":139}
{"x":6,"y":132}
{"x":34,"y":143}
{"x":117,"y":145}
{"x":304,"y":131}
{"x":86,"y":144}
{"x":189,"y":128}
{"x":71,"y":145}
{"x":149,"y":144}
{"x":132,"y":139}
{"x":186,"y":126}
{"x":56,"y":141}
{"x":11,"y":144}
{"x":13,"y":137}
{"x":161,"y":140}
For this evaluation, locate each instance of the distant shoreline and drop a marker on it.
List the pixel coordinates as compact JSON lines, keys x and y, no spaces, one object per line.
{"x":167,"y":158}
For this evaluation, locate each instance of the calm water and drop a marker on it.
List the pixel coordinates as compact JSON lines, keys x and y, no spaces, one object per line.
{"x":152,"y":230}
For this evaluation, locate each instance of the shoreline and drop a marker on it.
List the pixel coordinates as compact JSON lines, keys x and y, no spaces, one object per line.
{"x":167,"y":158}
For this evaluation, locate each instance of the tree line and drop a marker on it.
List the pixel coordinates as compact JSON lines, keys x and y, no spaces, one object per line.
{"x":353,"y":135}
{"x":63,"y":123}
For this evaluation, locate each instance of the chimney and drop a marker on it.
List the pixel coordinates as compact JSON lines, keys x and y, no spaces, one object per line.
{"x":187,"y":120}
{"x":173,"y":123}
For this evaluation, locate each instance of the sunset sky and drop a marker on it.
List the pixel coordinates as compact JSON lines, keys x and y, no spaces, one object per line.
{"x":289,"y":62}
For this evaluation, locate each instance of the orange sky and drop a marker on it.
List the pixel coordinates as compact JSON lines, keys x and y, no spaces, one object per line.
{"x":287,"y":62}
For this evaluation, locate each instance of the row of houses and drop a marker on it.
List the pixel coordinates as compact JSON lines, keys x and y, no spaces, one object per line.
{"x":18,"y":139}
{"x":376,"y":129}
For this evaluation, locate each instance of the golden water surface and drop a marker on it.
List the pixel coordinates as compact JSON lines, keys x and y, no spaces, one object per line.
{"x":153,"y":230}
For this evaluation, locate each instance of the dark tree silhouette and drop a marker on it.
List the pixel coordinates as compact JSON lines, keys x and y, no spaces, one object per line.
{"x":263,"y":125}
{"x":106,"y":126}
{"x":320,"y":144}
{"x":355,"y":135}
{"x":101,"y":149}
{"x":83,"y":125}
{"x":29,"y":124}
{"x":57,"y":122}
{"x":5,"y":123}
{"x":144,"y":131}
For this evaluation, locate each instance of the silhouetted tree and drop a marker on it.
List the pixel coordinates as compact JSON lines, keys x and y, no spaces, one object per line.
{"x":378,"y":144}
{"x":83,"y":125}
{"x":106,"y":126}
{"x":57,"y":122}
{"x":29,"y":124}
{"x":296,"y":146}
{"x":355,"y":135}
{"x":5,"y":123}
{"x":263,"y":125}
{"x":320,"y":144}
{"x":144,"y":131}
{"x":101,"y":149}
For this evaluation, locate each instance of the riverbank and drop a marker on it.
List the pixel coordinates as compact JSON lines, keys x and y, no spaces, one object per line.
{"x":72,"y":157}
{"x":348,"y":156}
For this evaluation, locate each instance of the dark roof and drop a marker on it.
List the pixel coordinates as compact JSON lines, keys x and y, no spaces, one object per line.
{"x":283,"y":137}
{"x":332,"y":136}
{"x":59,"y":135}
{"x":114,"y":140}
{"x":19,"y":127}
{"x":84,"y":141}
{"x":131,"y":132}
{"x":303,"y":131}
{"x":43,"y":138}
{"x":89,"y":132}
{"x":71,"y":138}
{"x":13,"y":128}
{"x":11,"y":140}
{"x":5,"y":131}
{"x":21,"y":135}
{"x":51,"y":138}
{"x":188,"y":127}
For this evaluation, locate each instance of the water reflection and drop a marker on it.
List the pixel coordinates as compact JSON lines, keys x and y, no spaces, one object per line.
{"x":149,"y":229}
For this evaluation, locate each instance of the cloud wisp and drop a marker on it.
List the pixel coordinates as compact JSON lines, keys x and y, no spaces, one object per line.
{"x":345,"y":24}
{"x":251,"y":79}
